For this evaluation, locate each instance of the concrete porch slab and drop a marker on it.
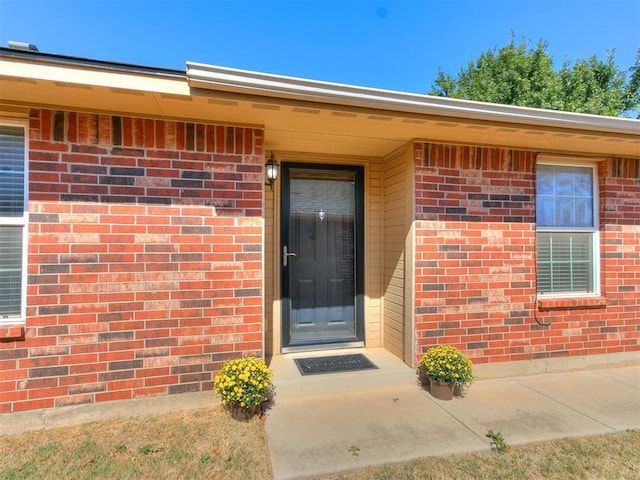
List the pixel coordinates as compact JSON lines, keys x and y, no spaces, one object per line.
{"x":601,"y":397}
{"x":323,"y":424}
{"x":342,"y":431}
{"x":628,"y":375}
{"x":520,"y":413}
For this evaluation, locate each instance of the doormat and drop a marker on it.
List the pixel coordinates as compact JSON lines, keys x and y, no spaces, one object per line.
{"x":334,"y":364}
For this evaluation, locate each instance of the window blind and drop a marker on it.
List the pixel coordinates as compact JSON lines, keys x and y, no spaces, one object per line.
{"x":10,"y":271}
{"x":11,"y":171}
{"x":12,"y":219}
{"x":565,"y":262}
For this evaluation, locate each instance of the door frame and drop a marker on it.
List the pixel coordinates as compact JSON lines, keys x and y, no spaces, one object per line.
{"x":285,"y":300}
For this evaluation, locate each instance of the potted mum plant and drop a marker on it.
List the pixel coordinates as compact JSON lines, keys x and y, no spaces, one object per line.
{"x":243,"y":385}
{"x":446,"y":367}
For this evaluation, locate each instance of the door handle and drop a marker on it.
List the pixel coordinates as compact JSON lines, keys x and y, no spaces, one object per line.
{"x":286,"y":255}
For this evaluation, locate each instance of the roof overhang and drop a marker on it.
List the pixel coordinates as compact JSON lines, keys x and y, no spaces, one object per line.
{"x":256,"y":83}
{"x":303,"y":115}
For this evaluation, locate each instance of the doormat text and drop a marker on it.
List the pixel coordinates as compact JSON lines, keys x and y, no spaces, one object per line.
{"x":334,"y":364}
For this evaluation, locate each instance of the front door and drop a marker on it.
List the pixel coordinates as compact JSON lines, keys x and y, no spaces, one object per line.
{"x":322,"y":255}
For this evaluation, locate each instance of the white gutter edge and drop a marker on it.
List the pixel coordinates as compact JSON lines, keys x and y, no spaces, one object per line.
{"x":213,"y":77}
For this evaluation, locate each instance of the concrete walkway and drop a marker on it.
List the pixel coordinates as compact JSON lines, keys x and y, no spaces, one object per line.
{"x":323,"y":424}
{"x":329,"y":423}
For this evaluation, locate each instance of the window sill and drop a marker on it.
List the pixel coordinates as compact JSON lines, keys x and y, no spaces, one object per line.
{"x":11,"y":332}
{"x":571,"y":303}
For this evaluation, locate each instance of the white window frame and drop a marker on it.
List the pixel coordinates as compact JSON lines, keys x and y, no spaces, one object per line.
{"x":594,"y":230}
{"x":22,"y":221}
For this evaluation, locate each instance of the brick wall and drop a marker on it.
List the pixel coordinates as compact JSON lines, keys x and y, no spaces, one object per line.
{"x":475,"y":259}
{"x":145,"y":259}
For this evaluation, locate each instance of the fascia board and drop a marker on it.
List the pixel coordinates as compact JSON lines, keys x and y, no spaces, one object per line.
{"x":69,"y":73}
{"x":262,"y":84}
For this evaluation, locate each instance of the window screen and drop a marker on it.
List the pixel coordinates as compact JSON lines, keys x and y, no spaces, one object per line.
{"x":565,"y":223}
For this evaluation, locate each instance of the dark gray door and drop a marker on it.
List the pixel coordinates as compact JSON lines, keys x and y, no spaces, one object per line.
{"x":322,"y":255}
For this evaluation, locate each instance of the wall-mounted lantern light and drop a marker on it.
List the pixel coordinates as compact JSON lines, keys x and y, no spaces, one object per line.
{"x":271,"y":170}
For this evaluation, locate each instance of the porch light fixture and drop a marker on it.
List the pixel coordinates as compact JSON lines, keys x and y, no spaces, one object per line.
{"x":271,"y":170}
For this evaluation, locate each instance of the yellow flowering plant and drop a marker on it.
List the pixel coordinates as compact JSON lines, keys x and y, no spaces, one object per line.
{"x":244,"y":382}
{"x":447,"y":364}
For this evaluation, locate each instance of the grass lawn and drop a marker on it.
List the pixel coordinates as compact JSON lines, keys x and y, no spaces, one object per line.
{"x":204,"y":443}
{"x":207,"y":444}
{"x":610,"y":457}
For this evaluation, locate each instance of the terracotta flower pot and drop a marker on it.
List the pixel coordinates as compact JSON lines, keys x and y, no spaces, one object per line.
{"x":441,"y":390}
{"x":243,"y":414}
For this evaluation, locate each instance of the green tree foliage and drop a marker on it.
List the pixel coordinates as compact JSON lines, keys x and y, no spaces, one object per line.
{"x":517,"y":74}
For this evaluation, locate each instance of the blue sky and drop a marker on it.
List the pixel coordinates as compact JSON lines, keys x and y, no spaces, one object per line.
{"x":395,"y":45}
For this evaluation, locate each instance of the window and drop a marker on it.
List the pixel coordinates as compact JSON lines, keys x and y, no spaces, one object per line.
{"x":13,"y":223}
{"x":566,"y":229}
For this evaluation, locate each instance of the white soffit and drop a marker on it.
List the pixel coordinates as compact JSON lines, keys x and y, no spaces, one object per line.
{"x":225,"y":79}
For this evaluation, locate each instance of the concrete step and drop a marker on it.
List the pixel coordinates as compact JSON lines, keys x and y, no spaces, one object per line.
{"x":290,"y":383}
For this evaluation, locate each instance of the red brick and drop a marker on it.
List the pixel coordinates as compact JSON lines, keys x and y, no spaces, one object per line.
{"x":479,"y":257}
{"x":149,"y":391}
{"x":20,"y":406}
{"x":35,"y":393}
{"x":175,"y":313}
{"x":116,"y":395}
{"x":11,"y":331}
{"x":163,"y":380}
